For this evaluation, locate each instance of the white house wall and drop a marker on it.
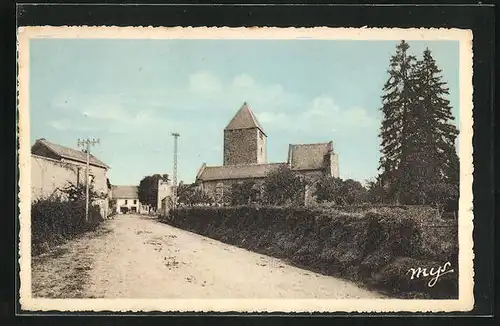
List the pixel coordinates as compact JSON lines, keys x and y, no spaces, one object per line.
{"x":164,"y":190}
{"x":100,"y":175}
{"x":48,"y":175}
{"x":130,"y":203}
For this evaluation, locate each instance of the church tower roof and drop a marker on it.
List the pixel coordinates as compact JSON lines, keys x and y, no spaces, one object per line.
{"x":244,"y":119}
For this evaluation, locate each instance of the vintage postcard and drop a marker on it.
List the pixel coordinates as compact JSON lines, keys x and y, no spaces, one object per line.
{"x":245,"y":169}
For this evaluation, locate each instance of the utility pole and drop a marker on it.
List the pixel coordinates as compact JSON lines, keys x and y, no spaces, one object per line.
{"x":86,"y":143}
{"x":174,"y":179}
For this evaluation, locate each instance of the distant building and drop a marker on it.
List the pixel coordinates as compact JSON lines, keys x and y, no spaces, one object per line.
{"x":126,"y":200}
{"x":165,"y":197}
{"x":54,"y":167}
{"x":245,"y":157}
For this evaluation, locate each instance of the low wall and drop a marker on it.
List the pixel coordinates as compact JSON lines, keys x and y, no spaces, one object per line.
{"x":376,"y":247}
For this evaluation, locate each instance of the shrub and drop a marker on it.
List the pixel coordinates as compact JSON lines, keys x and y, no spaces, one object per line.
{"x":328,"y":190}
{"x":340,"y":192}
{"x":397,"y":277}
{"x":191,"y":194}
{"x":284,"y":186}
{"x":244,"y":193}
{"x":55,"y":219}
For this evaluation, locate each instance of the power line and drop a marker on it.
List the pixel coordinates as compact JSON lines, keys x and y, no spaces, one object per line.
{"x":174,"y":179}
{"x":86,"y":143}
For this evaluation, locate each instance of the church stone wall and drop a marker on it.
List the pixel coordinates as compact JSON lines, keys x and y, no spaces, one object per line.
{"x":241,"y":146}
{"x":220,"y":190}
{"x":334,"y":165}
{"x":311,"y":175}
{"x":261,"y":147}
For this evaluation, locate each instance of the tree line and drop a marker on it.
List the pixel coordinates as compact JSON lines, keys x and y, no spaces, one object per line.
{"x":281,"y":186}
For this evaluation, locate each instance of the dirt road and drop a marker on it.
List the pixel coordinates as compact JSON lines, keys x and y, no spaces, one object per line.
{"x":139,"y":257}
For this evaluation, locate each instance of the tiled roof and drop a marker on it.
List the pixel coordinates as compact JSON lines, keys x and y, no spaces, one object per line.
{"x":244,"y":119}
{"x":66,"y":152}
{"x":308,"y":156}
{"x":236,"y":171}
{"x":125,"y":192}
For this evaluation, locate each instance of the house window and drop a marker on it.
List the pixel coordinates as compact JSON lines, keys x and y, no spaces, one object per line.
{"x":126,"y":201}
{"x":135,"y":201}
{"x":91,"y":179}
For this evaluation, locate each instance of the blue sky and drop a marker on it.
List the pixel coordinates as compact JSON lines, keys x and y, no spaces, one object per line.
{"x":132,"y":94}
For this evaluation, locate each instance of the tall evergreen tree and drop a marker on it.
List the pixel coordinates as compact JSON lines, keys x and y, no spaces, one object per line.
{"x":397,"y":104}
{"x":434,"y":151}
{"x":419,"y":164}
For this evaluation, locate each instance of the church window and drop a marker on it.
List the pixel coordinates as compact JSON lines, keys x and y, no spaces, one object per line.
{"x":219,"y":191}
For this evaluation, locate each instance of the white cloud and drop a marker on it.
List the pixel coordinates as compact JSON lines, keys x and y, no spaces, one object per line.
{"x":63,"y":124}
{"x":322,"y":107}
{"x":358,"y":116}
{"x":111,"y":112}
{"x":66,"y":124}
{"x":272,"y":117}
{"x":243,"y":81}
{"x":322,"y":113}
{"x":274,"y":106}
{"x":204,"y":82}
{"x":120,"y":120}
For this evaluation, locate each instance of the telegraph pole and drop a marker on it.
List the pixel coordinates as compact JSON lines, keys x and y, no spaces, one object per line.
{"x":86,"y":143}
{"x":174,"y":179}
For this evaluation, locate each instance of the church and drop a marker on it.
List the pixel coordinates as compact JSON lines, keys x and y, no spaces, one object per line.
{"x":245,"y":157}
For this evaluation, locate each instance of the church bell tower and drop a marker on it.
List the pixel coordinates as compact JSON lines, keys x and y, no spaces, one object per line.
{"x":244,"y":139}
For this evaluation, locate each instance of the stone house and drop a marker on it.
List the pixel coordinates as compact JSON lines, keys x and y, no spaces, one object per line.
{"x":165,"y":197}
{"x":126,"y":200}
{"x":54,"y":167}
{"x":245,"y":158}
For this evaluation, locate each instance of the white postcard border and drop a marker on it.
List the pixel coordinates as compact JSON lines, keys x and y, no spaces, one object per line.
{"x":466,"y":254}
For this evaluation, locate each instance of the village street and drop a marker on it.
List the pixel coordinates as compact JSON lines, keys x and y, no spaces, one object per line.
{"x":138,"y":257}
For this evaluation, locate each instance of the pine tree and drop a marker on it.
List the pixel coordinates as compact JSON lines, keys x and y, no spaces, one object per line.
{"x":434,"y":158}
{"x":397,"y":104}
{"x":419,"y":164}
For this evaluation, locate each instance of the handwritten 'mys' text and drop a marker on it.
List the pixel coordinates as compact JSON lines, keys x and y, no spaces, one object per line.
{"x":434,"y":273}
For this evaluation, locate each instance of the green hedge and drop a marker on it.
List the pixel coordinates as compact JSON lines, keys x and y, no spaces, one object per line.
{"x":374,"y":246}
{"x":54,"y":220}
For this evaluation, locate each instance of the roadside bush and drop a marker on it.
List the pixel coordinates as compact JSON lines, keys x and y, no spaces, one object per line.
{"x":396,"y":276}
{"x":375,"y":246}
{"x":56,"y":219}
